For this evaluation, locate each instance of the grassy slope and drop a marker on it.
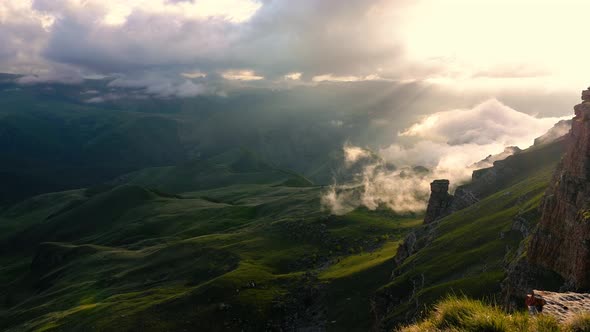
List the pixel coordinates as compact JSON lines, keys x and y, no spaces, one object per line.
{"x":250,"y":255}
{"x":470,"y":249}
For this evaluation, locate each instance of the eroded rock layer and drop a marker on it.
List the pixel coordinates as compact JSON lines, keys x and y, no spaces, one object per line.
{"x":562,"y":240}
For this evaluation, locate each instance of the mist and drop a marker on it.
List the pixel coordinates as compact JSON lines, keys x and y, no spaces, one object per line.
{"x":447,"y":145}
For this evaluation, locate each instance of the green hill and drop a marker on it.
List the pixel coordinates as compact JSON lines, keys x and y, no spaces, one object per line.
{"x":256,"y":254}
{"x":236,"y":167}
{"x":206,"y":227}
{"x":467,"y":252}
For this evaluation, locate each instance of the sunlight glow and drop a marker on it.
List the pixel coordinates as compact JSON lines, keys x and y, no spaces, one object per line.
{"x":293,"y":76}
{"x":241,"y":75}
{"x":336,"y":78}
{"x":501,"y":39}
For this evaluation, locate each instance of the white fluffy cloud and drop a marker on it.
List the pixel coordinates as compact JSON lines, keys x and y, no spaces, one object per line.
{"x":449,"y":143}
{"x":163,"y":87}
{"x":490,"y":122}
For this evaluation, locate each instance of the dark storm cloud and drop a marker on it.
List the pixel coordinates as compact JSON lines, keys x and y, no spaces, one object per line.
{"x":144,"y":41}
{"x":318,"y":37}
{"x":313,"y":37}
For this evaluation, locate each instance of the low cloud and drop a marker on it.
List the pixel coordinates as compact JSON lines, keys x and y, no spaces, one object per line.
{"x":402,"y":191}
{"x":449,"y":144}
{"x":490,"y":122}
{"x":162,"y":87}
{"x":51,"y":77}
{"x":353,"y":154}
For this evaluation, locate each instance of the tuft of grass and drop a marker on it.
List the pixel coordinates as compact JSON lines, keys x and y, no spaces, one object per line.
{"x":470,"y":315}
{"x":463,"y":314}
{"x":579,"y":323}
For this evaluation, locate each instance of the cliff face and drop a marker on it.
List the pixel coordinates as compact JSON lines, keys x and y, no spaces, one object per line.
{"x":440,"y":205}
{"x":562,"y":240}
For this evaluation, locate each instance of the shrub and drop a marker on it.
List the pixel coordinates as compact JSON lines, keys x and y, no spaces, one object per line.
{"x":545,"y":323}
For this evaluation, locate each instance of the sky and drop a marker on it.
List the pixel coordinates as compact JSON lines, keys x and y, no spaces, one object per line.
{"x":479,"y":74}
{"x":466,"y":45}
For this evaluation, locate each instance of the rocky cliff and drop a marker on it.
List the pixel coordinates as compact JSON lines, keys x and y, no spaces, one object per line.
{"x":559,"y":129}
{"x":561,"y":242}
{"x":440,"y":205}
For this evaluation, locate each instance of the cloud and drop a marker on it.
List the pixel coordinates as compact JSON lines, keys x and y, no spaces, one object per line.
{"x":63,"y":74}
{"x":449,"y":144}
{"x":403,"y":191}
{"x":241,"y":75}
{"x":490,"y":122}
{"x":272,"y":38}
{"x":22,"y":36}
{"x":162,"y":86}
{"x":353,"y":154}
{"x":328,"y":40}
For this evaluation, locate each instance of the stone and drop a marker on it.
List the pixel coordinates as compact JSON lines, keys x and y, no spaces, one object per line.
{"x":564,"y":306}
{"x":439,"y":202}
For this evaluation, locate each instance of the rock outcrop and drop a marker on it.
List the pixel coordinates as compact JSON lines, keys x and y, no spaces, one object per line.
{"x":439,"y":206}
{"x":564,"y":306}
{"x":440,"y":201}
{"x":562,"y":241}
{"x":489,"y":160}
{"x":559,"y":129}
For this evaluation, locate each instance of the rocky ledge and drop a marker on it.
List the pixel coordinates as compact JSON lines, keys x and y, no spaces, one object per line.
{"x":564,"y":306}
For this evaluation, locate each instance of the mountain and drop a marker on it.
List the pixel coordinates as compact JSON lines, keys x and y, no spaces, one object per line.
{"x":203,"y":214}
{"x":562,"y":241}
{"x":232,"y":242}
{"x":556,"y":255}
{"x":559,"y":130}
{"x":468,"y":239}
{"x":522,"y":226}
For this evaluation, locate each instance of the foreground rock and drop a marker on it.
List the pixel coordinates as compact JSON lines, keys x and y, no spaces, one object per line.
{"x":564,"y":306}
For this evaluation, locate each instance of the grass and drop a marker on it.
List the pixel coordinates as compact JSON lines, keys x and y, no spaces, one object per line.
{"x":469,"y":250}
{"x":579,"y":323}
{"x":133,"y":257}
{"x":463,"y":314}
{"x":245,"y":246}
{"x":361,"y":262}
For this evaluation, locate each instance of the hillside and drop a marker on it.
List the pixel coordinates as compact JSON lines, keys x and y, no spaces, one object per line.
{"x":234,"y":242}
{"x":467,"y":252}
{"x":253,"y":255}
